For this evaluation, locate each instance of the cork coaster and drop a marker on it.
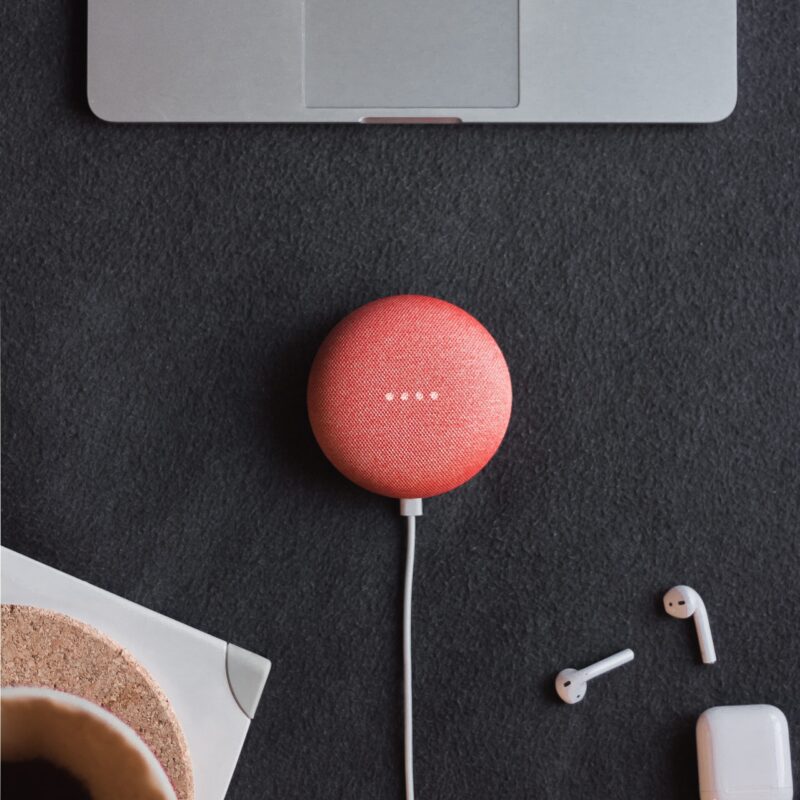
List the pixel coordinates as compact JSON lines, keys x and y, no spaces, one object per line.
{"x":43,"y":648}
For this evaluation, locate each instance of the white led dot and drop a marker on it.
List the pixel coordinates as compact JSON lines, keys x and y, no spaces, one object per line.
{"x":404,"y":396}
{"x":419,"y":395}
{"x":434,"y":395}
{"x":389,"y":396}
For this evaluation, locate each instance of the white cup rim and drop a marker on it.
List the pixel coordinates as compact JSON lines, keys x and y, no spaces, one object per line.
{"x":106,"y":717}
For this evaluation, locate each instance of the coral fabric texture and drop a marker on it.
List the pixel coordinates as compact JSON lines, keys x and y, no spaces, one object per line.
{"x":409,"y":396}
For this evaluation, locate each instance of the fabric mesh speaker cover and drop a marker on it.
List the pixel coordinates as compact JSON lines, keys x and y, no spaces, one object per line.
{"x":409,"y":396}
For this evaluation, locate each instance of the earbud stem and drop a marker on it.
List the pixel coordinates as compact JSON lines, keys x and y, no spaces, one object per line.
{"x":607,"y":664}
{"x":707,"y":651}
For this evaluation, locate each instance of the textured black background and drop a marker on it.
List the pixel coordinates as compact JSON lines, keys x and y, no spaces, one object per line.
{"x":165,"y":288}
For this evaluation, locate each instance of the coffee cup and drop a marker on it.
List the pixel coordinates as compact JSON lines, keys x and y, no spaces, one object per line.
{"x":77,"y":736}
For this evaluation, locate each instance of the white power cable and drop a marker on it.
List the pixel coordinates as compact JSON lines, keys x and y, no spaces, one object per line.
{"x":410,"y":509}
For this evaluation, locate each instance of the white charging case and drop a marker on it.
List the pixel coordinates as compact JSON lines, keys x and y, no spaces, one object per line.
{"x":743,"y":754}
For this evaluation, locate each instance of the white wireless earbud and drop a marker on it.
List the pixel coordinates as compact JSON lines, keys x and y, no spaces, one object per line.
{"x":683,"y":602}
{"x":571,"y":683}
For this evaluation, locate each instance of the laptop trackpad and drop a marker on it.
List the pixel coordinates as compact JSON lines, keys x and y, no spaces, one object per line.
{"x":411,"y":53}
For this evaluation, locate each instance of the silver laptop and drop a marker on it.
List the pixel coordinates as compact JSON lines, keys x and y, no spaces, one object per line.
{"x":412,"y":60}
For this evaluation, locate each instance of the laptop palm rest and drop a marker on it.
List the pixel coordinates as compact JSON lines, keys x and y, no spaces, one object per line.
{"x":411,"y":54}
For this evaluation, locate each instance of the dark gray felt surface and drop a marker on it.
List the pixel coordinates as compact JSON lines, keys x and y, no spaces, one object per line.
{"x":165,"y":289}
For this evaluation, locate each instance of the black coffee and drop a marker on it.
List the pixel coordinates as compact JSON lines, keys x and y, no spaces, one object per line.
{"x":39,"y":780}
